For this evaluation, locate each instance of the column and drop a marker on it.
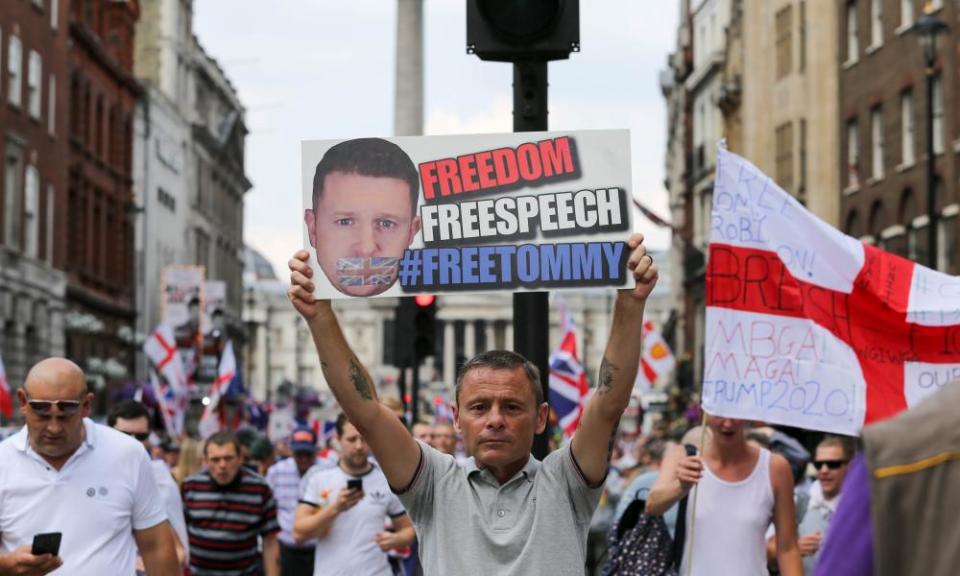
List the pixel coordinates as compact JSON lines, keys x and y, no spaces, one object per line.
{"x":469,"y":339}
{"x":449,"y":354}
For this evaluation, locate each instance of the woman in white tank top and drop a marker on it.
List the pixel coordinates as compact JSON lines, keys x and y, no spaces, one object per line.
{"x":741,"y":489}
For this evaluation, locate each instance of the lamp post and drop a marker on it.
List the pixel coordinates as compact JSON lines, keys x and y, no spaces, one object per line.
{"x":927,"y":28}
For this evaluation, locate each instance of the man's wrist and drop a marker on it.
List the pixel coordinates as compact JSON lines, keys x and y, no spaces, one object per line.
{"x":324,"y":313}
{"x":625,"y":297}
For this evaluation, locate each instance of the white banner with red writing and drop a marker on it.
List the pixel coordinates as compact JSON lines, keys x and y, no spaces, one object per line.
{"x":808,"y":327}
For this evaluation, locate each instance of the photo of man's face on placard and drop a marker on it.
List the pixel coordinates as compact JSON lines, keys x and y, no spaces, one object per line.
{"x":364,"y":214}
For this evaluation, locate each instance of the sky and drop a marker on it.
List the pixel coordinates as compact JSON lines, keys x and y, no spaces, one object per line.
{"x":316,"y":70}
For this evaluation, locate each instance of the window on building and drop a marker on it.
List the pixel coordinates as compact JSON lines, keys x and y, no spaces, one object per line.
{"x":853,"y":43}
{"x":98,"y":128}
{"x":54,"y":14}
{"x":202,"y":248}
{"x":852,"y":225}
{"x":908,"y":127}
{"x":784,"y":156}
{"x":12,"y":194}
{"x":877,"y":222}
{"x":907,"y":214}
{"x":938,"y":114}
{"x":802,"y":187}
{"x":31,"y":212}
{"x":34,"y":82}
{"x":947,"y":244}
{"x":784,"y":23}
{"x":876,"y":23}
{"x":14,"y":70}
{"x":876,"y":142}
{"x":706,"y":215}
{"x":906,"y":14}
{"x":802,"y":63}
{"x":853,"y":154}
{"x":51,"y":202}
{"x":52,"y":105}
{"x":166,"y":200}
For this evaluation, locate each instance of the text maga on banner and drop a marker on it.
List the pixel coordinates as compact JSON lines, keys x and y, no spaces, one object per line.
{"x":447,"y":214}
{"x":808,"y":327}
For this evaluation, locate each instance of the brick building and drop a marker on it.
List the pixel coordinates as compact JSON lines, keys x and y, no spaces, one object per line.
{"x":99,"y":232}
{"x":883,"y":128}
{"x":33,"y":140}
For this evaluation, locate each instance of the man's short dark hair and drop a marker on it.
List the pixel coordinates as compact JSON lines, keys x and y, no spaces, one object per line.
{"x":502,"y":360}
{"x":368,"y":157}
{"x":222,"y":439}
{"x":128,"y":410}
{"x":341,"y":422}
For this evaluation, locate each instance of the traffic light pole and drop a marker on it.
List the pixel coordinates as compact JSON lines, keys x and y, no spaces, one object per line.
{"x":531,"y":309}
{"x":415,"y":393}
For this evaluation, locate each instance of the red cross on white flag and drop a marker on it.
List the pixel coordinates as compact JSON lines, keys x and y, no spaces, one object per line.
{"x":808,"y":327}
{"x":212,"y":420}
{"x":161,"y":349}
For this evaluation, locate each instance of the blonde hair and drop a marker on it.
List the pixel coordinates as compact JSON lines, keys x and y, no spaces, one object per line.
{"x":191,"y":459}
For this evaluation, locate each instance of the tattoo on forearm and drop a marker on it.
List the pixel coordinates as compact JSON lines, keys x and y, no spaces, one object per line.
{"x":360,"y":383}
{"x":325,"y":369}
{"x":605,"y":380}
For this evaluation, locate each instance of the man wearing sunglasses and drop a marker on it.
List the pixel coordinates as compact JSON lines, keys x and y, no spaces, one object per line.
{"x":133,"y":419}
{"x":64,"y":473}
{"x":831,"y":458}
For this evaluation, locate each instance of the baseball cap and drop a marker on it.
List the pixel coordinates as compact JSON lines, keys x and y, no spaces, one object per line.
{"x":303,"y":440}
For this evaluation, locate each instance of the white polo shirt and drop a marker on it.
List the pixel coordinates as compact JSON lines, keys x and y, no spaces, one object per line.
{"x":172,"y":503}
{"x":104,"y":492}
{"x":351,"y":547}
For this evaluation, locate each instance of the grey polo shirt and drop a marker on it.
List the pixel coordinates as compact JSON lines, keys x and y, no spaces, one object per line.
{"x":467,"y":523}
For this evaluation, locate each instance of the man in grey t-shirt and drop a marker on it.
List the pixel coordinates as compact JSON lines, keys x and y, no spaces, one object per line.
{"x":500,"y":512}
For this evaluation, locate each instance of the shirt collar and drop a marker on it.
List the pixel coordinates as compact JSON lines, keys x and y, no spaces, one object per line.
{"x":529,"y":471}
{"x":22,"y":438}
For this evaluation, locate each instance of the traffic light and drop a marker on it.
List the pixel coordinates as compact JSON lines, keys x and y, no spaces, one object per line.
{"x":517,"y":30}
{"x":425,"y":326}
{"x":415,"y":328}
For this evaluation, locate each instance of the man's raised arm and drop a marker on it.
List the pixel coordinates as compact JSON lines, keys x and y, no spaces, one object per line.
{"x":592,"y":442}
{"x":397,"y":452}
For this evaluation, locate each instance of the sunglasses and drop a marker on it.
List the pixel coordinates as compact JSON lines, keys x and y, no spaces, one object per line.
{"x":831,"y":464}
{"x":140,"y":436}
{"x":43,"y":407}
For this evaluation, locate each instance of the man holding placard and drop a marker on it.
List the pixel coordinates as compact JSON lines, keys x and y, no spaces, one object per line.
{"x":524,"y":516}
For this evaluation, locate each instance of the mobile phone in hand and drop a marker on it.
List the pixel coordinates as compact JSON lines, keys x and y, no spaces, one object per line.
{"x":355,"y":483}
{"x":46,"y":543}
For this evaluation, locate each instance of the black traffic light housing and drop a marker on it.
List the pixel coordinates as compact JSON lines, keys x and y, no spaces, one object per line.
{"x":516,"y":30}
{"x":425,"y":326}
{"x":415,"y":330}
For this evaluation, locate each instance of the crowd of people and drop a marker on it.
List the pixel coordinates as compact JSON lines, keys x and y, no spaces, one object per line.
{"x":126,"y":502}
{"x":740,"y":498}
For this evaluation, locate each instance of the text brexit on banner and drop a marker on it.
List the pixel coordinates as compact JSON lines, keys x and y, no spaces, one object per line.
{"x":808,"y":327}
{"x":445,"y":214}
